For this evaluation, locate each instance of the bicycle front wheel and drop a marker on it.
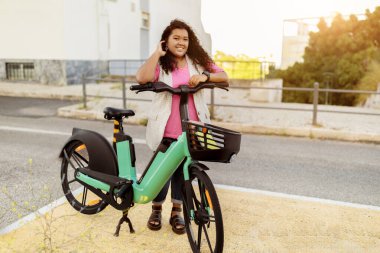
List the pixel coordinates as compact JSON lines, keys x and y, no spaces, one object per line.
{"x":204,"y":226}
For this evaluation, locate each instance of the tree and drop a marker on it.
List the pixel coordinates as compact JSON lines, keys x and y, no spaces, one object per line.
{"x":338,"y":55}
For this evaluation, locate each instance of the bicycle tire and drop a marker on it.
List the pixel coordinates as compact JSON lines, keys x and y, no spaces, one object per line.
{"x":205,"y":232}
{"x":78,"y":156}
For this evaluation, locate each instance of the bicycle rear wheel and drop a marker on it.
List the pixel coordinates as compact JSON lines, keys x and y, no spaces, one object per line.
{"x":83,"y":201}
{"x":205,"y":228}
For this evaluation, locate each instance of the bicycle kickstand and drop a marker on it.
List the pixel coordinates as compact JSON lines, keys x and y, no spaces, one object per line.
{"x":124,"y":218}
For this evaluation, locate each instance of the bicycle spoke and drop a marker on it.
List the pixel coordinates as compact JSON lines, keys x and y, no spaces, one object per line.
{"x":199,"y":236}
{"x":68,"y":159}
{"x":208,"y":239}
{"x":72,"y":181}
{"x":196,"y":201}
{"x":77,"y":158}
{"x":202,"y":195}
{"x":84,"y":196}
{"x":81,"y":157}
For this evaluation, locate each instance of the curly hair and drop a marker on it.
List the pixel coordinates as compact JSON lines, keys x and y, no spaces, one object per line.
{"x":195,"y":51}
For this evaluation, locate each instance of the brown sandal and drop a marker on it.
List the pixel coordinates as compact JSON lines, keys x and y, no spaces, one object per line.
{"x":177,"y":222}
{"x":154,"y":222}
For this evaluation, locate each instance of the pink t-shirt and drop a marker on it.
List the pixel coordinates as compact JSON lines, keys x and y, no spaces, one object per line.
{"x":180,"y":76}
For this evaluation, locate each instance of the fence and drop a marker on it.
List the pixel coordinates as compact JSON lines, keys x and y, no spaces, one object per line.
{"x":316,"y":90}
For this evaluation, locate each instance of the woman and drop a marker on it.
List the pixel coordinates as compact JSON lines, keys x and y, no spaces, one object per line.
{"x":178,"y":59}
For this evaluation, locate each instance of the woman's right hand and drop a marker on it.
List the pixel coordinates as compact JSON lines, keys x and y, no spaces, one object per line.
{"x":159,"y":49}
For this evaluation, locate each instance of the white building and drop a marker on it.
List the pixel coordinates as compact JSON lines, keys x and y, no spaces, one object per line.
{"x":56,"y":41}
{"x":295,"y":39}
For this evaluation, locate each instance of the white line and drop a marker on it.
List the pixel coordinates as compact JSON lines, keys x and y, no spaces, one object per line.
{"x":38,"y":213}
{"x":298,"y":197}
{"x":31,"y":130}
{"x":139,"y":141}
{"x":40,"y":131}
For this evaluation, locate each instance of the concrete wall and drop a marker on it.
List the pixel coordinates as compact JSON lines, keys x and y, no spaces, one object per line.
{"x":31,"y":29}
{"x":266,"y":95}
{"x":81,"y":29}
{"x":124,"y":22}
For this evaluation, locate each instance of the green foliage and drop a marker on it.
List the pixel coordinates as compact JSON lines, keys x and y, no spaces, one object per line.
{"x":241,"y":66}
{"x":337,"y":56}
{"x":370,"y":81}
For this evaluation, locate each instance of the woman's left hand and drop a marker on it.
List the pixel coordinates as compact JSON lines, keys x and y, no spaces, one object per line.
{"x":196,"y":79}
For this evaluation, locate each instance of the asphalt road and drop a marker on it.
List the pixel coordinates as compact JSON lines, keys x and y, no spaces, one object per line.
{"x":31,"y":137}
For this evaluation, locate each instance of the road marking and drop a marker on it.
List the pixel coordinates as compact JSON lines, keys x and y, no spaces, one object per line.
{"x":31,"y":130}
{"x":41,"y":131}
{"x":298,"y":197}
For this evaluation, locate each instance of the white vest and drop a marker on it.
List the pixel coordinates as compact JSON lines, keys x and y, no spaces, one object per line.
{"x":160,"y":108}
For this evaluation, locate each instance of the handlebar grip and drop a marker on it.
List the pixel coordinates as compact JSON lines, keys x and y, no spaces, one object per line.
{"x":224,"y":85}
{"x":135,"y":87}
{"x":141,"y":86}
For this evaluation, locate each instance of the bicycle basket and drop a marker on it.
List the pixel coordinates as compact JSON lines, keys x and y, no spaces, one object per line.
{"x":211,"y":143}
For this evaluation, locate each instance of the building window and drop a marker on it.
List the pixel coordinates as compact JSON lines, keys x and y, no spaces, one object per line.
{"x":20,"y":71}
{"x":145,"y":20}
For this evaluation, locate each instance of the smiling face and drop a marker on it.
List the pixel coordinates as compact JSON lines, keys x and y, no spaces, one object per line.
{"x":178,"y":42}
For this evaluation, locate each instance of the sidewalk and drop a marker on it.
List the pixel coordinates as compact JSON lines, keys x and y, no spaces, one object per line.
{"x":254,"y":221}
{"x":337,"y":126}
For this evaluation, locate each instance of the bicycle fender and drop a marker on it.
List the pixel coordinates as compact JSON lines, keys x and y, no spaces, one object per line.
{"x":101,"y":154}
{"x":198,"y":166}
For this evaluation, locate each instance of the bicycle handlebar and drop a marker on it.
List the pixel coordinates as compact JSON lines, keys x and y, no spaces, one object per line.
{"x":161,"y":87}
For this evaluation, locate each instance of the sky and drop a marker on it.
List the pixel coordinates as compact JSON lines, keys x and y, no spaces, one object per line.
{"x":255,"y":27}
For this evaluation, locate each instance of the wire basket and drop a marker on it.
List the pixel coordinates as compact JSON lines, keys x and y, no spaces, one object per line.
{"x":211,"y":143}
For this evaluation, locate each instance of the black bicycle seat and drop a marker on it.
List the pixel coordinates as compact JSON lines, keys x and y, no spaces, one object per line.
{"x":115,"y":113}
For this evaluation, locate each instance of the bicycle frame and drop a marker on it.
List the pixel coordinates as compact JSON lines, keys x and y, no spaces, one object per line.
{"x":159,"y":172}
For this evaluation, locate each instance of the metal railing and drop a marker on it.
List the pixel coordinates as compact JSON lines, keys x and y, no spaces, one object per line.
{"x":316,"y":90}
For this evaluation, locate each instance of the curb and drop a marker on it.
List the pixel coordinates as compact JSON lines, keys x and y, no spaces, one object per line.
{"x":306,"y":132}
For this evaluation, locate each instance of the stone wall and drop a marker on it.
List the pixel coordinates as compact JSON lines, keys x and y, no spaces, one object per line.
{"x":50,"y":72}
{"x":3,"y":74}
{"x":75,"y":70}
{"x":59,"y":72}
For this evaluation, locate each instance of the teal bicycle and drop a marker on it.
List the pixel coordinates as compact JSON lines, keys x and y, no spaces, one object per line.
{"x":108,"y":174}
